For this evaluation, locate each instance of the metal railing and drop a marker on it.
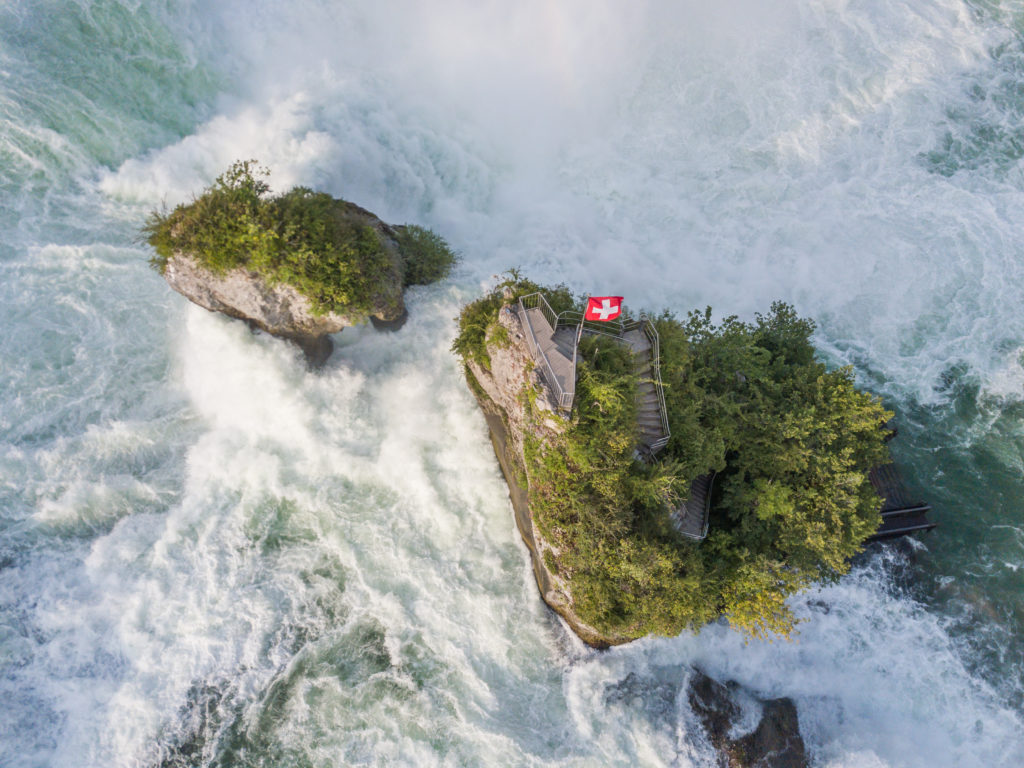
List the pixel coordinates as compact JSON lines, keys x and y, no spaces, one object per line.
{"x":617,"y":329}
{"x":652,"y":335}
{"x":563,"y":395}
{"x":614,"y":328}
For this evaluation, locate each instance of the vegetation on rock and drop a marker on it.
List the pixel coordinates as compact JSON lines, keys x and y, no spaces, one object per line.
{"x":792,"y":443}
{"x":306,"y":239}
{"x":426,"y":256}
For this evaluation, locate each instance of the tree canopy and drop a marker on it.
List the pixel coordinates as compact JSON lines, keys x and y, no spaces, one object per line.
{"x":792,"y":443}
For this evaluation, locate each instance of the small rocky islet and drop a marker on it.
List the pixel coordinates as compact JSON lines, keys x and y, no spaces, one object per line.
{"x":300,"y":266}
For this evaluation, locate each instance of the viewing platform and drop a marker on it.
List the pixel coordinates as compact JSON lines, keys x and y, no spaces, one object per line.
{"x":553,"y":348}
{"x":554,"y":339}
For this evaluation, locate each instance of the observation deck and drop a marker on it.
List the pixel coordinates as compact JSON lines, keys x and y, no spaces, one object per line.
{"x":554,"y":340}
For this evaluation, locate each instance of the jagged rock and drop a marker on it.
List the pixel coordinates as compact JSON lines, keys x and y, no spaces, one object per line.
{"x":280,"y":309}
{"x":389,"y":325}
{"x":775,"y":742}
{"x":713,"y":705}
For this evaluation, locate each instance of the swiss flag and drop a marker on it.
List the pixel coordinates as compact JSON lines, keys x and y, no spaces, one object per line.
{"x":603,"y":307}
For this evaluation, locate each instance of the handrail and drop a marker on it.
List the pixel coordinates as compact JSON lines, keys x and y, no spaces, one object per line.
{"x":603,"y":328}
{"x":563,"y":396}
{"x":707,"y":507}
{"x":617,"y":329}
{"x":652,"y":333}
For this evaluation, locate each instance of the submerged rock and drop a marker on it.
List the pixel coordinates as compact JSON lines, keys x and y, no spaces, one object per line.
{"x":775,"y":742}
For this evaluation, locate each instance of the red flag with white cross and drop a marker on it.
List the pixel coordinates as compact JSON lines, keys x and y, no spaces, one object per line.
{"x":603,"y":308}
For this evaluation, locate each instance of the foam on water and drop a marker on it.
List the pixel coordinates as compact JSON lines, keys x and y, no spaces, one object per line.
{"x":212,"y":556}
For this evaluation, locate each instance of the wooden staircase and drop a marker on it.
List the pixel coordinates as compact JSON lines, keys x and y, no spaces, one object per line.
{"x":651,"y":425}
{"x":901,"y":513}
{"x":691,"y":517}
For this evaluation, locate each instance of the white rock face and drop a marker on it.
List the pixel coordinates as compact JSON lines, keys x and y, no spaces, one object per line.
{"x":512,"y":372}
{"x":279,"y":309}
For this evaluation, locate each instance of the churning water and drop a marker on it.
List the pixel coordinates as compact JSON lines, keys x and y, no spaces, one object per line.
{"x":209,"y":556}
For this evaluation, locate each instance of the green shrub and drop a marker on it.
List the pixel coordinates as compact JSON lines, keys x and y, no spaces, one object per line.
{"x":792,"y":441}
{"x":479,"y":317}
{"x":426,"y":256}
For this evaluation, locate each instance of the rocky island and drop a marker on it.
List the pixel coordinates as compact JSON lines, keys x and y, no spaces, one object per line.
{"x":300,"y":266}
{"x":791,"y":444}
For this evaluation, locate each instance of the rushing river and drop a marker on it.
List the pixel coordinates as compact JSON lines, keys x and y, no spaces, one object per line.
{"x":210,"y":556}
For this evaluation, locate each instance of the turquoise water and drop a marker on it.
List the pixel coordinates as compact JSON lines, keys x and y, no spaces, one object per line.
{"x":209,"y":556}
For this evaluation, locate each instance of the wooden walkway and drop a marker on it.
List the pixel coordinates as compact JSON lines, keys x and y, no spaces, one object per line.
{"x":555,"y":352}
{"x":901,"y":513}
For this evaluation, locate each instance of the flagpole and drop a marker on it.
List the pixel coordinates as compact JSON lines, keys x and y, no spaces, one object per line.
{"x":583,"y":317}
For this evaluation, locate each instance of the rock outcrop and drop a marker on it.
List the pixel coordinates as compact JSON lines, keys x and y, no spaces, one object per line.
{"x":775,"y":742}
{"x":279,"y":309}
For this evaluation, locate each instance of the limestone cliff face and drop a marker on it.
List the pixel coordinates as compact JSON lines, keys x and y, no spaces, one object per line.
{"x":512,"y":373}
{"x":280,"y":309}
